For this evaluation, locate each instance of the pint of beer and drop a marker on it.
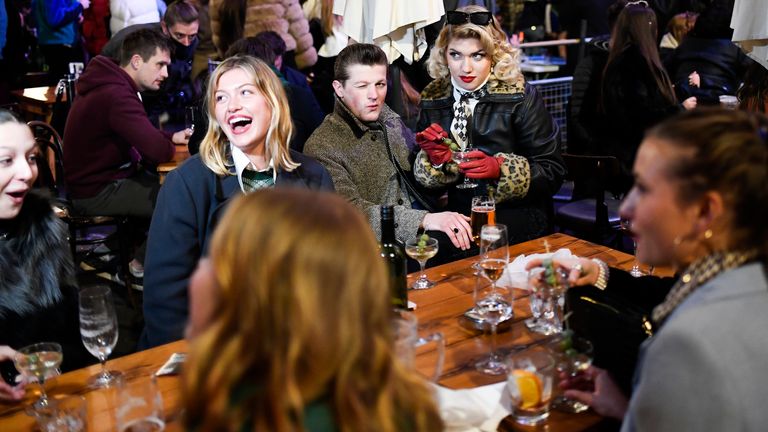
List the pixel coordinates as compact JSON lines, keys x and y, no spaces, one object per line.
{"x":483,"y":213}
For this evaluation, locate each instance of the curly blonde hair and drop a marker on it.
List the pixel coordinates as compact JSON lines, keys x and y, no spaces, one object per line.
{"x":298,"y":321}
{"x":215,"y":145}
{"x":505,"y":58}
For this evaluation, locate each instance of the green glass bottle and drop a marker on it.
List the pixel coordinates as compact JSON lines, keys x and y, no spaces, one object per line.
{"x":394,"y":254}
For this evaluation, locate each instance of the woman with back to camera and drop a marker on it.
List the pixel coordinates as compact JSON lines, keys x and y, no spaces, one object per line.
{"x":636,"y":91}
{"x":698,"y":205}
{"x":38,"y":291}
{"x":298,"y":338}
{"x":480,"y":96}
{"x":244,"y":149}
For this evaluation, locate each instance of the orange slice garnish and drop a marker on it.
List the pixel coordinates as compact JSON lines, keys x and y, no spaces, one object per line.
{"x":529,"y":386}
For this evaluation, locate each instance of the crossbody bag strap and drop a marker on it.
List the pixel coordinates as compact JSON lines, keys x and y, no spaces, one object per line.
{"x":404,"y":176}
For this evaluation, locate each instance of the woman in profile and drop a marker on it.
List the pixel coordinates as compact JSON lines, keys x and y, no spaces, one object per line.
{"x":290,"y":333}
{"x":698,"y":205}
{"x":245,"y":149}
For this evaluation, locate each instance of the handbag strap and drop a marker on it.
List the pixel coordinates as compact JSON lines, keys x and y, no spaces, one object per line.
{"x":403,"y":175}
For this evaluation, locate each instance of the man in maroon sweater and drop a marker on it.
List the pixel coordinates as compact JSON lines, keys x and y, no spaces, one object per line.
{"x":108,"y":139}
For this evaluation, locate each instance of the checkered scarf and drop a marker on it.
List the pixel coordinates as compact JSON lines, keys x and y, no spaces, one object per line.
{"x":462,"y":113}
{"x":254,"y":180}
{"x":698,"y":273}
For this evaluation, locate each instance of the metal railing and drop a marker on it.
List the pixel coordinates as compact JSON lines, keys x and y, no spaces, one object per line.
{"x":556,"y":93}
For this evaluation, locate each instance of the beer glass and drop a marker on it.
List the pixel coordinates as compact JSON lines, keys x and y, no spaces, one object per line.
{"x":483,"y":213}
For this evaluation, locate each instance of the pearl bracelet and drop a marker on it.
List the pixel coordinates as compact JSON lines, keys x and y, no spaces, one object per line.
{"x":602,"y":274}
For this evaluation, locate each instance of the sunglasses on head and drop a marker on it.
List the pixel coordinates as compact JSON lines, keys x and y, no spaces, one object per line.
{"x":458,"y":18}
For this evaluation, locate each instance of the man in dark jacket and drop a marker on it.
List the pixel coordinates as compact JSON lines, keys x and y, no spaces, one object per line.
{"x":108,"y":137}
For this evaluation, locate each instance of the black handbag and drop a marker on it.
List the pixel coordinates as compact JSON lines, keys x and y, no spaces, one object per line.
{"x":615,"y":326}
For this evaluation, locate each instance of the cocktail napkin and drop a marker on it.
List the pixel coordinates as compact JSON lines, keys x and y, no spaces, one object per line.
{"x":515,"y":275}
{"x":473,"y":410}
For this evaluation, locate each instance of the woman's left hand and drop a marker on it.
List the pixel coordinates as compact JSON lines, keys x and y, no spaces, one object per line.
{"x":481,"y":166}
{"x":581,"y":271}
{"x":605,"y":397}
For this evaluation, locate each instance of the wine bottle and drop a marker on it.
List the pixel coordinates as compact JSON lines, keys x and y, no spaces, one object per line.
{"x":394,"y":254}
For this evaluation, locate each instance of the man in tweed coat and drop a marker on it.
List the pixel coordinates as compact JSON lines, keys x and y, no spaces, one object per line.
{"x":361,"y":144}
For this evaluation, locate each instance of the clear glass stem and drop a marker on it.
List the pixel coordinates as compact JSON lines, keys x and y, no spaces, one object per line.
{"x":635,"y":264}
{"x":422,"y":273}
{"x":104,"y":371}
{"x":43,"y":401}
{"x":494,"y":355}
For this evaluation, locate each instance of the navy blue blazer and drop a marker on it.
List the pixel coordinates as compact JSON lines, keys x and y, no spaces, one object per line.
{"x":189,"y":205}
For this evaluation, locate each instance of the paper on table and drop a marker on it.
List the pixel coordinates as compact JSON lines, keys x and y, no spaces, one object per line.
{"x":473,"y":410}
{"x":515,"y":275}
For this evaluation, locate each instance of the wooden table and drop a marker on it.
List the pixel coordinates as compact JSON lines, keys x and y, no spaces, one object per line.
{"x":182,"y":154}
{"x":37,"y":102}
{"x":438,"y":309}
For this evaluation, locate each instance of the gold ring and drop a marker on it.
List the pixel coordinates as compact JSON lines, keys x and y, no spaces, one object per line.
{"x":580,"y":269}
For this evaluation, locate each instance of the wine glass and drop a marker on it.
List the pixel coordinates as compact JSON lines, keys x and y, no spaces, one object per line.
{"x":547,"y":285}
{"x":39,"y":360}
{"x":421,"y":249}
{"x":494,"y":251}
{"x":98,"y":329}
{"x":574,"y":356}
{"x":189,"y":118}
{"x":626,"y":226}
{"x":460,"y":157}
{"x":493,"y":304}
{"x":535,"y":323}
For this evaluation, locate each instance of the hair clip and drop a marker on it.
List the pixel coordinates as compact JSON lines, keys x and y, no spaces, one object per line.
{"x":638,"y":3}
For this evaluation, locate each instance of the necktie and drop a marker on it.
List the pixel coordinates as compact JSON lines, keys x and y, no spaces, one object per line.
{"x":254,"y":180}
{"x":461,"y":114}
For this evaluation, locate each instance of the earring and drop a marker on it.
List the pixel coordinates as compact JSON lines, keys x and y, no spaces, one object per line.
{"x":708,"y":234}
{"x":677,"y":241}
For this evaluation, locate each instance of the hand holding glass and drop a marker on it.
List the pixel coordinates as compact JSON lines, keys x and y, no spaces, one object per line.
{"x":548,"y":291}
{"x":460,"y":157}
{"x":40,"y":361}
{"x":574,"y":355}
{"x":421,"y":250}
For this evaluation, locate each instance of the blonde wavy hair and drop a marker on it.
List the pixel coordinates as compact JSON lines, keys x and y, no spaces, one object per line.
{"x":505,"y":58}
{"x":215,"y":145}
{"x":298,"y":320}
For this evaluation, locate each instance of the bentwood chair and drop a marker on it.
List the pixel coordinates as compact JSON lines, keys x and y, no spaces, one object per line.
{"x":51,"y":176}
{"x":597,"y":217}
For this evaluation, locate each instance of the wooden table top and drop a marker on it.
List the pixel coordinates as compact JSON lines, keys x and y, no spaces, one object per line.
{"x":44,"y":95}
{"x":438,"y":309}
{"x":182,"y":154}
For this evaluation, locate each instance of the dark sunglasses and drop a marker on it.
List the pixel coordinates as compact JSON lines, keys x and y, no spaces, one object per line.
{"x":458,"y":18}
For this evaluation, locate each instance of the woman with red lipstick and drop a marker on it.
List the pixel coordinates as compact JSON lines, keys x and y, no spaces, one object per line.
{"x":697,"y":205}
{"x":246,"y":148}
{"x":480,"y":99}
{"x":38,"y":291}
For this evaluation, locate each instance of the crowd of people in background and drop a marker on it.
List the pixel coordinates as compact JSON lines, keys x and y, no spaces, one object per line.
{"x":304,"y":124}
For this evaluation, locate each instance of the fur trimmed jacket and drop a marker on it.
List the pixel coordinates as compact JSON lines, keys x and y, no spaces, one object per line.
{"x":38,"y":291}
{"x":282,"y":16}
{"x":512,"y":124}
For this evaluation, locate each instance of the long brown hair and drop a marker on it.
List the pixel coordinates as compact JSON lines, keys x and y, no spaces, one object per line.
{"x":724,"y":151}
{"x":299,"y":319}
{"x":636,"y":27}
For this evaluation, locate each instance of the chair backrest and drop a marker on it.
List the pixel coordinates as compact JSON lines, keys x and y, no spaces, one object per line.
{"x":598,"y":172}
{"x":51,"y":165}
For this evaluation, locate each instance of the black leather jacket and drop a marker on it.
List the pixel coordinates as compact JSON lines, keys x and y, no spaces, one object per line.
{"x":511,"y":120}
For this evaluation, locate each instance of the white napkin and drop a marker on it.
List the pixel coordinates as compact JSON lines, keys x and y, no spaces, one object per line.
{"x":478,"y":409}
{"x":515,"y":275}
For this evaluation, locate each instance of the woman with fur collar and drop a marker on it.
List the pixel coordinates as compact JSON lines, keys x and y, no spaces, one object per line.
{"x":480,"y":96}
{"x":38,"y":292}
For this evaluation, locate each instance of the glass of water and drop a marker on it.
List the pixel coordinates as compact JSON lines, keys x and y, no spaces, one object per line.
{"x":139,"y":405}
{"x":98,"y":329}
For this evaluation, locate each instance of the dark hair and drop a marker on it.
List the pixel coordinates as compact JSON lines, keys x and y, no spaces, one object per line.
{"x":231,"y":23}
{"x":144,"y":42}
{"x":180,"y":11}
{"x":253,"y":47}
{"x":724,"y":151}
{"x":7,"y":116}
{"x":273,"y":40}
{"x":754,"y":93}
{"x":714,"y":22}
{"x":636,"y":28}
{"x":357,"y":54}
{"x":613,"y":12}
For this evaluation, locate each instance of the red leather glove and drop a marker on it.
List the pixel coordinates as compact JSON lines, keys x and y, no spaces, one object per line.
{"x":431,"y":141}
{"x":481,"y":166}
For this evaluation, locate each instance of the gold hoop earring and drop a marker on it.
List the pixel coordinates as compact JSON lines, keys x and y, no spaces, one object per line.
{"x":677,"y":240}
{"x":708,"y":234}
